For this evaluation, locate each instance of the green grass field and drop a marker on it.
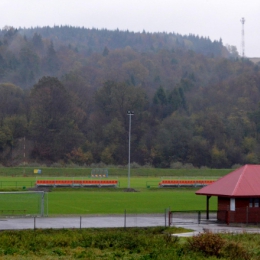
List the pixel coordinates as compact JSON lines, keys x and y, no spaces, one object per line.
{"x":115,"y":172}
{"x":149,"y":198}
{"x":63,"y":201}
{"x":109,"y":202}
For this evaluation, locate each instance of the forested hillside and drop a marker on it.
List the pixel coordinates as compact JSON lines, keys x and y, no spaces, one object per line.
{"x":66,"y":91}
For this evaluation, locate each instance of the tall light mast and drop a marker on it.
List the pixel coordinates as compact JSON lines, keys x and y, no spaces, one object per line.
{"x":243,"y":37}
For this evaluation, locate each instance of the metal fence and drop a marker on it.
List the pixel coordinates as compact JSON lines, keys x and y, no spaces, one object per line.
{"x":126,"y":220}
{"x":243,"y":215}
{"x":17,"y":184}
{"x":192,"y":217}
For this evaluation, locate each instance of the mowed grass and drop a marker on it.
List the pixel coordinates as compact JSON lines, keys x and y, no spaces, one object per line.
{"x":109,"y":202}
{"x":149,"y":198}
{"x":65,"y":201}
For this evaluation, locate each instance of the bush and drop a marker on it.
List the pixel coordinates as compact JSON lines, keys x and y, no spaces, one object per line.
{"x":135,"y":165}
{"x":188,"y":166}
{"x":148,"y":166}
{"x":56,"y":165}
{"x":179,"y":165}
{"x":176,"y":165}
{"x":208,"y":243}
{"x":236,"y":251}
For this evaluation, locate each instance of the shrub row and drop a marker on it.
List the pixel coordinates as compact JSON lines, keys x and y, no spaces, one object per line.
{"x":211,"y":244}
{"x":133,"y":243}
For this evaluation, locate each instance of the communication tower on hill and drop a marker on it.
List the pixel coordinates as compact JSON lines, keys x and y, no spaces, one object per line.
{"x":243,"y":37}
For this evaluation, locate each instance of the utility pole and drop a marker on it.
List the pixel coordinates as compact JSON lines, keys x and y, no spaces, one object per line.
{"x":24,"y":155}
{"x":243,"y":38}
{"x":130,"y":114}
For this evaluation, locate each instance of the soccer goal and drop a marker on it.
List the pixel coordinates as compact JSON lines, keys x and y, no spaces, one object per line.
{"x":27,"y":203}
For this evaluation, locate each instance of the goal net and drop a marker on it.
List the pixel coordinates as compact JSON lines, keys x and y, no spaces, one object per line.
{"x":99,"y":173}
{"x":27,"y":203}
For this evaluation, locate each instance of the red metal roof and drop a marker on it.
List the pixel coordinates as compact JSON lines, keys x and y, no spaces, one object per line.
{"x":243,"y":182}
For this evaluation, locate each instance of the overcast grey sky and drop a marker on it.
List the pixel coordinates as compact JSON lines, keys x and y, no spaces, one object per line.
{"x":209,"y":18}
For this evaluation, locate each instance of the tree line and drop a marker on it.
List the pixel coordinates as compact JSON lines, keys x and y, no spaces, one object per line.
{"x":26,"y":55}
{"x":174,"y":126}
{"x":71,"y":104}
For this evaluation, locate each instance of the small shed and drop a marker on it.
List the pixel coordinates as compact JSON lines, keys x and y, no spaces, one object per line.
{"x":238,"y":195}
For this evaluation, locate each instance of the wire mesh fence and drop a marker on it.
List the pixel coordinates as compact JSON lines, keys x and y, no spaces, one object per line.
{"x":128,"y":219}
{"x":125,"y":220}
{"x":192,"y":217}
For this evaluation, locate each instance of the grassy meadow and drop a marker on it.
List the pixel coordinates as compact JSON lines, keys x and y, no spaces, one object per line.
{"x":148,"y":198}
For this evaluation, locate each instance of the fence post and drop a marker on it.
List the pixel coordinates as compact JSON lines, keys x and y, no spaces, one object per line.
{"x":125,"y":219}
{"x":80,"y":222}
{"x":165,"y":217}
{"x":199,"y":217}
{"x":34,"y":223}
{"x":169,"y":216}
{"x":42,"y":204}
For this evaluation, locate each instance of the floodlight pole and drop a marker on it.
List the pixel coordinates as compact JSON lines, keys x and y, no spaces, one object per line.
{"x":130,"y":114}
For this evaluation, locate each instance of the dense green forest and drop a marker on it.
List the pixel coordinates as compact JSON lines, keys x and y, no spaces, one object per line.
{"x":65,"y":92}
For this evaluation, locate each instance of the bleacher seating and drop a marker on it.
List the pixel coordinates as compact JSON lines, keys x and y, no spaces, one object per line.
{"x":76,"y":183}
{"x":185,"y":183}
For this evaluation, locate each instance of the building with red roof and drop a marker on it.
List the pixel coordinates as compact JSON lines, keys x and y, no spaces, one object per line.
{"x":238,"y":195}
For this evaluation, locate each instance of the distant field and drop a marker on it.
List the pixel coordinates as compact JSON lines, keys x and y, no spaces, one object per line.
{"x":86,"y":172}
{"x":19,"y":177}
{"x":149,"y":198}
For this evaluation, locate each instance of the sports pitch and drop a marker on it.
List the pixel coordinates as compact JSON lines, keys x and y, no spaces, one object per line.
{"x":148,"y":198}
{"x":82,"y":201}
{"x":109,"y":202}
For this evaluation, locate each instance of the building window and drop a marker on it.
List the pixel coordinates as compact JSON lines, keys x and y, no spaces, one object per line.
{"x":232,"y":205}
{"x":250,"y":203}
{"x":256,"y":203}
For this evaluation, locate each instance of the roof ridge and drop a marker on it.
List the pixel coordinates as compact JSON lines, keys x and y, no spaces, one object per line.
{"x":240,"y":177}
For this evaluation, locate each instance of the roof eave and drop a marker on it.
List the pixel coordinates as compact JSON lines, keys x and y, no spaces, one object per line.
{"x":231,"y":195}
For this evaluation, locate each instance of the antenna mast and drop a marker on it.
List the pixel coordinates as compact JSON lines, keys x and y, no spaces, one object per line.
{"x":243,"y":37}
